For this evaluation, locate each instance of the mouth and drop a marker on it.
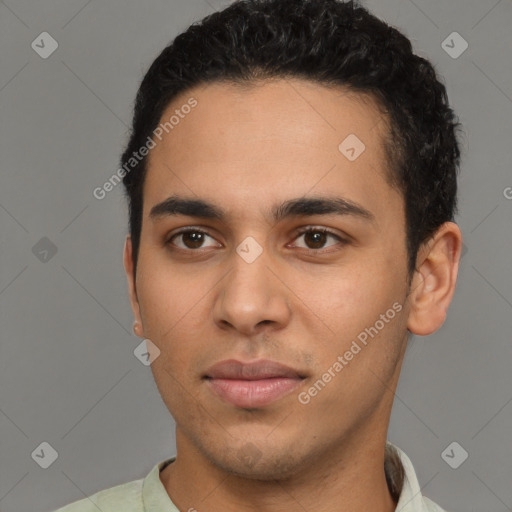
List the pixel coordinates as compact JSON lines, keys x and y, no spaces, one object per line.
{"x":252,"y":385}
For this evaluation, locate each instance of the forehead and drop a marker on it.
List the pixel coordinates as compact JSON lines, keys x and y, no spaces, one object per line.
{"x":246,"y":143}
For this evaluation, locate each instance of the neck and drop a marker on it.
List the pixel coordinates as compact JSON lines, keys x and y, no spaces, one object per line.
{"x":351,"y":476}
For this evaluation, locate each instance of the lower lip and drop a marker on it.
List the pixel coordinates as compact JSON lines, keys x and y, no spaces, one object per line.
{"x":253,"y":393}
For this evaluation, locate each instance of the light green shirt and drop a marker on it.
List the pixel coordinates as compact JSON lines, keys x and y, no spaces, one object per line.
{"x":149,"y":495}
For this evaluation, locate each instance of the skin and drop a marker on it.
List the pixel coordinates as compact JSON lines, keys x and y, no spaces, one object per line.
{"x":247,"y":150}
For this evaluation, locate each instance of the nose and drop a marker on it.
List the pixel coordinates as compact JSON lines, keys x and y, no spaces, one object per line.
{"x":252,"y":297}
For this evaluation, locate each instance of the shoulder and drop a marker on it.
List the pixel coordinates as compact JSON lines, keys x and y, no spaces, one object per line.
{"x":126,"y":497}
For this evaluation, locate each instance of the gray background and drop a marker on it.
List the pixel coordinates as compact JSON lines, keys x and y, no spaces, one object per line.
{"x":68,"y":375}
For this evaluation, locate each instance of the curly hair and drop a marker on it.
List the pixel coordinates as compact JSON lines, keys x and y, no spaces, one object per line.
{"x":331,"y":43}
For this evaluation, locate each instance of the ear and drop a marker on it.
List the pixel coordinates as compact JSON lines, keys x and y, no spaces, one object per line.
{"x":134,"y":301}
{"x":433,"y":282}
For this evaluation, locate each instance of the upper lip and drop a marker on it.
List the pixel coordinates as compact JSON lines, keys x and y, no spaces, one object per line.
{"x":256,"y":370}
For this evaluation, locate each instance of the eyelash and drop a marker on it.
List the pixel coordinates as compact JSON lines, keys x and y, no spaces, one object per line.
{"x":297,"y":235}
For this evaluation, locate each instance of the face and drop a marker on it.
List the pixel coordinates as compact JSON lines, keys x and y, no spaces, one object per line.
{"x":239,"y":278}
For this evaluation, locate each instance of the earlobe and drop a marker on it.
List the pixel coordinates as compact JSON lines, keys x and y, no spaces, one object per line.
{"x":128,"y":266}
{"x":137,"y":329}
{"x":434,"y":280}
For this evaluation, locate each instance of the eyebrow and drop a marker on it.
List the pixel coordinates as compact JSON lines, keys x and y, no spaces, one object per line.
{"x":298,"y":207}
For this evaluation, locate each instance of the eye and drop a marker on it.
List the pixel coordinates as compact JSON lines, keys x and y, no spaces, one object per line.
{"x":315,"y":238}
{"x":192,"y":238}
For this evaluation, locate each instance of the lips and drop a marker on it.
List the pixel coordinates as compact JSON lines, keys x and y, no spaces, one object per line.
{"x":252,"y":385}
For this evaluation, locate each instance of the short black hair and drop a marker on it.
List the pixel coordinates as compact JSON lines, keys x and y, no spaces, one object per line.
{"x":328,"y":42}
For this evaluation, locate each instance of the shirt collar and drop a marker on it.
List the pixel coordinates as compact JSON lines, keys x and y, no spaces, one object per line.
{"x":154,"y":494}
{"x":411,"y":499}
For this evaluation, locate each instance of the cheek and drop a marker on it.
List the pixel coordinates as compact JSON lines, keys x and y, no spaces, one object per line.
{"x":356,"y":371}
{"x":168,"y":297}
{"x":166,"y":323}
{"x":349,"y":324}
{"x":344,"y":302}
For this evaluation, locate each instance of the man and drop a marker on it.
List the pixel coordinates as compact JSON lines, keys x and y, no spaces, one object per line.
{"x":291,"y":177}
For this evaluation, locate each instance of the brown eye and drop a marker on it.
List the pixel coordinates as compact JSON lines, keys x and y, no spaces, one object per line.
{"x":316,"y":238}
{"x":191,"y":239}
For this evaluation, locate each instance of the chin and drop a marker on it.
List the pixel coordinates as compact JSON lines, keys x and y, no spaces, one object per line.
{"x":265,"y":470}
{"x":249,"y":462}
